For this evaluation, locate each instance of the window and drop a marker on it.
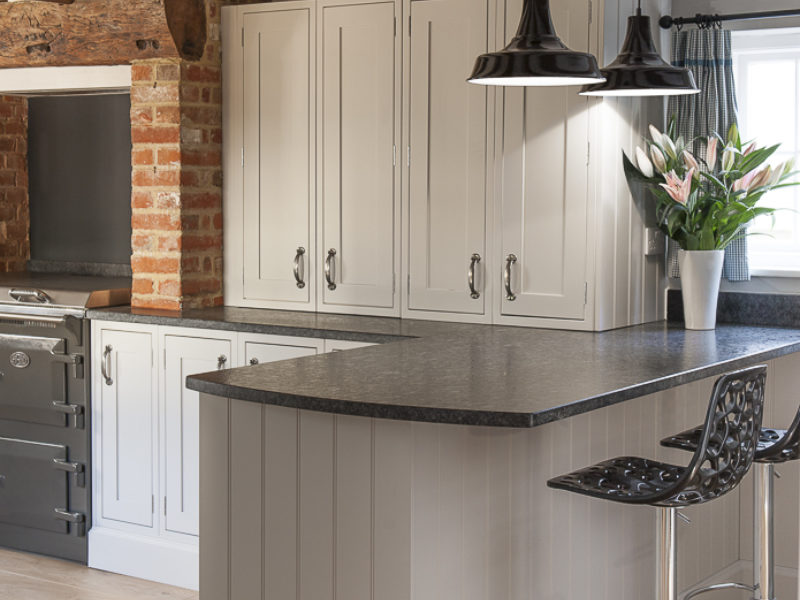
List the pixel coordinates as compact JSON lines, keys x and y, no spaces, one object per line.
{"x":767,"y":69}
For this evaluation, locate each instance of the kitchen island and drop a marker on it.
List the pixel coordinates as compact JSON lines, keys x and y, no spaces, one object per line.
{"x":417,"y":469}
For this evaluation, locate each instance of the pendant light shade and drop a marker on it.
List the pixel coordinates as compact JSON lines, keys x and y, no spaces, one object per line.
{"x":639,"y":69}
{"x":536,"y":56}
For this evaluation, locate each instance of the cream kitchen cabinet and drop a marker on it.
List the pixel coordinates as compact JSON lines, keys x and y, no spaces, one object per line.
{"x":145,"y":439}
{"x":364,"y":175}
{"x":445,"y":225}
{"x":311,"y":172}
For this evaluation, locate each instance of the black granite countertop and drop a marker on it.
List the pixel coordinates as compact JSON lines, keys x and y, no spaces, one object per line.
{"x":491,"y":375}
{"x":282,"y":322}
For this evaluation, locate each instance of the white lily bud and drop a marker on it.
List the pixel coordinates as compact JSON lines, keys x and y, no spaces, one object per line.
{"x":656,"y":135}
{"x":690,"y":161}
{"x":669,"y":147}
{"x":659,"y":161}
{"x":645,"y":166}
{"x":727,"y":158}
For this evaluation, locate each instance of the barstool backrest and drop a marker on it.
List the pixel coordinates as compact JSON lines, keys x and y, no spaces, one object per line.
{"x":730,"y":436}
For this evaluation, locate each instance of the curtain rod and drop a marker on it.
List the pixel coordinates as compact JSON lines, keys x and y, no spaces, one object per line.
{"x":667,"y":21}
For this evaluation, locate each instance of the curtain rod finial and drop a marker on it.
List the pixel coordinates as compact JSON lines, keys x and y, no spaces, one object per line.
{"x":665,"y":22}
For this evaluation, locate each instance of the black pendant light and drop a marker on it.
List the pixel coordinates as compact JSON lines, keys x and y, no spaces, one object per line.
{"x":639,"y":69}
{"x":536,"y":56}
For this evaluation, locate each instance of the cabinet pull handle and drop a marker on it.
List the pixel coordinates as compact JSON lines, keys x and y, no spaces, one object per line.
{"x":221,"y":360}
{"x":105,"y":365}
{"x":330,"y":269}
{"x":475,"y":259}
{"x":510,"y":260}
{"x":299,"y":272}
{"x":254,"y":361}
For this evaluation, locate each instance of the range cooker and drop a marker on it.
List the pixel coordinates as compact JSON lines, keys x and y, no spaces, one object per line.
{"x":45,"y":409}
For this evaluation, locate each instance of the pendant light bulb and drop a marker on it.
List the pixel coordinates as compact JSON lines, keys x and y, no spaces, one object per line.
{"x":639,"y":69}
{"x":536,"y":56}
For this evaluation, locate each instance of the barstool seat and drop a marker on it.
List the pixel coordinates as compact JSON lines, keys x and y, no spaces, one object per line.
{"x":775,"y":446}
{"x":725,"y":448}
{"x":767,"y":450}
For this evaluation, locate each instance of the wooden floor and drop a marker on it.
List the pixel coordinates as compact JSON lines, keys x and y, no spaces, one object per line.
{"x":31,"y":577}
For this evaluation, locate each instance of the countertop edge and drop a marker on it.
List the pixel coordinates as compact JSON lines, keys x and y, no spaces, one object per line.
{"x":478,"y":417}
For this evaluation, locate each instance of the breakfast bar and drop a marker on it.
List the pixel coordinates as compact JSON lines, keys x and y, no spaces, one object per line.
{"x":417,"y":468}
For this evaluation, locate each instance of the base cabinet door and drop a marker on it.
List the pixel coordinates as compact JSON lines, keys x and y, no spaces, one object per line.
{"x":359,"y":76}
{"x":542,"y":209}
{"x":184,"y":356}
{"x":447,"y":153}
{"x":255,"y":349}
{"x":278,"y":218}
{"x":125,"y":426}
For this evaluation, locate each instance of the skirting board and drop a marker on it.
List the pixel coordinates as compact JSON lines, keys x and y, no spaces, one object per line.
{"x":144,"y":557}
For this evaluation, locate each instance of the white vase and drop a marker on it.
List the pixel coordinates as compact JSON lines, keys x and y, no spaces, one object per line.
{"x":701,"y":271}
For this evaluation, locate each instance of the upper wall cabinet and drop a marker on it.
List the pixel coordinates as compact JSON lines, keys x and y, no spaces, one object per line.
{"x":364,"y":175}
{"x":276,"y":227}
{"x":312,"y":199}
{"x":446,"y":159}
{"x":359,"y":73}
{"x":542,"y":202}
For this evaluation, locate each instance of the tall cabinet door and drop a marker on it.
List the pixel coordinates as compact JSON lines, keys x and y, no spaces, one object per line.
{"x":543,"y":151}
{"x":359,"y":79}
{"x":279,"y":217}
{"x":124,"y":427}
{"x":447,"y":152}
{"x":184,"y":356}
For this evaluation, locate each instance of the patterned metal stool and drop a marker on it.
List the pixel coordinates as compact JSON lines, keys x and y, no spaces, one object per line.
{"x":774,"y":446}
{"x":727,"y":445}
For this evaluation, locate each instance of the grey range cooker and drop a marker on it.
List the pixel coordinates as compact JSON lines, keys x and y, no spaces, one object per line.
{"x":45,"y":409}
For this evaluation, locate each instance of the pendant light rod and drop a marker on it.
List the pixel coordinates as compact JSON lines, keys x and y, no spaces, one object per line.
{"x":667,"y":21}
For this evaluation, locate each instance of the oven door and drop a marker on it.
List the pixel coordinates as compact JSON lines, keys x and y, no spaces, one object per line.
{"x":34,"y":485}
{"x":33,"y":380}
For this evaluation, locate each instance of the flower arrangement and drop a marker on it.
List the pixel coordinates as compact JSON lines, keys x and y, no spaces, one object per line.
{"x":705,"y":203}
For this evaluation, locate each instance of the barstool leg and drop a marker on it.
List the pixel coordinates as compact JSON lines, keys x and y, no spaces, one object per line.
{"x":764,"y":547}
{"x":667,"y":571}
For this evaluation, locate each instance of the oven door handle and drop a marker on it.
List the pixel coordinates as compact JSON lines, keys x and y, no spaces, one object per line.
{"x":72,"y":467}
{"x":76,"y":520}
{"x":73,"y":410}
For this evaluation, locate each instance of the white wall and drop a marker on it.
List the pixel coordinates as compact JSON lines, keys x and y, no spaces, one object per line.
{"x":689,"y":8}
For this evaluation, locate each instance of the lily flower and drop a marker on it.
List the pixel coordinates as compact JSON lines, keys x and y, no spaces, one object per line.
{"x":645,"y":166}
{"x":749,"y":149}
{"x":658,"y":159}
{"x":746,"y":182}
{"x":762,"y":178}
{"x":690,"y":161}
{"x":656,"y":135}
{"x":711,"y":152}
{"x":727,"y":158}
{"x":677,"y":188}
{"x":669,"y":146}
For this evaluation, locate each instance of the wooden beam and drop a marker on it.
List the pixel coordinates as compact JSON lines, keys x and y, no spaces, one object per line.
{"x":99,"y":32}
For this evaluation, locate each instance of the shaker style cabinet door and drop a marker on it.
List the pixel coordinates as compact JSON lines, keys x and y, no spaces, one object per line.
{"x":446,"y":233}
{"x":278,"y":217}
{"x":359,"y":81}
{"x":184,"y":356}
{"x":542,"y":208}
{"x":125,"y":426}
{"x":255,"y":349}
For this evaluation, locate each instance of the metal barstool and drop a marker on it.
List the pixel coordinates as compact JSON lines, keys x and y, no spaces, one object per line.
{"x":774,"y":446}
{"x":726,"y":448}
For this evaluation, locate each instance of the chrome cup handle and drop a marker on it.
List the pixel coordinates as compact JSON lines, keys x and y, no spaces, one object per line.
{"x":330,"y":269}
{"x":254,"y":361}
{"x":475,"y":259}
{"x":299,"y":271}
{"x":221,"y":360}
{"x":510,"y":260}
{"x":105,"y":365}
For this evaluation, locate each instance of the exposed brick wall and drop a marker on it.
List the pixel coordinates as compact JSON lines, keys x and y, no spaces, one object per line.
{"x":14,"y":213}
{"x":176,"y":116}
